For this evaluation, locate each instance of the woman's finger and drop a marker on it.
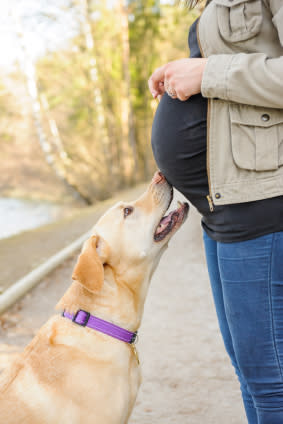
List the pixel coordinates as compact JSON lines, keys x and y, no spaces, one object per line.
{"x":154,"y":81}
{"x":161,"y":88}
{"x":182,"y":96}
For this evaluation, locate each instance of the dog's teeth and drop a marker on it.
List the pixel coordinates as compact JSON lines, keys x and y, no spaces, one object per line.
{"x":179,"y":204}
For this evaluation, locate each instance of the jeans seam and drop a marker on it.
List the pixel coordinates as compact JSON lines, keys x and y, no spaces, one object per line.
{"x":271,"y":306}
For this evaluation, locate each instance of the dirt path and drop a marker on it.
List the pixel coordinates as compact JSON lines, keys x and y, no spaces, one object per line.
{"x":187,"y":378}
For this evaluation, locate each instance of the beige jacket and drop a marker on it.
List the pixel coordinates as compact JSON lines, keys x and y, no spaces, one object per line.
{"x":243,"y":80}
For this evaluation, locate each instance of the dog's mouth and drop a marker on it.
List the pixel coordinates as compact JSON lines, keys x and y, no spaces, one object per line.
{"x":171,"y":222}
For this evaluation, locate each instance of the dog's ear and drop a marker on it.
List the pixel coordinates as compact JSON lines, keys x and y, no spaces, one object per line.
{"x":89,"y":268}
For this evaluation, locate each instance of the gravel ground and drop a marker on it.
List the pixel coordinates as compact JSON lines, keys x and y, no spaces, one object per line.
{"x":187,"y":378}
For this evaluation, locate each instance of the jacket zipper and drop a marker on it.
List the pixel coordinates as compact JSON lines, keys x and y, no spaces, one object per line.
{"x":209,"y":196}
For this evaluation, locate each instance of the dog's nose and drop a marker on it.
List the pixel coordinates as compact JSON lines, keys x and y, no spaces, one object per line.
{"x":158,"y":177}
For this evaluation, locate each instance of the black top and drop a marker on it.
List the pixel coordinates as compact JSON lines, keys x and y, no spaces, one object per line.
{"x":179,"y":147}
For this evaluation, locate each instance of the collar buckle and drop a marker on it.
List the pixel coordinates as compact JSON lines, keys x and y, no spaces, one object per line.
{"x":82,"y":320}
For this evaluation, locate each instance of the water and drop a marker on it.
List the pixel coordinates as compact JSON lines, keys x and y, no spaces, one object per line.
{"x":18,"y":215}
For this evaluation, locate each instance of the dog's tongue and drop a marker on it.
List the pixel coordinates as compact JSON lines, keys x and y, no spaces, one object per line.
{"x":164,"y":222}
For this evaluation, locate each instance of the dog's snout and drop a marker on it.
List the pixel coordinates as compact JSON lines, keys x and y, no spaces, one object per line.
{"x":158,"y":177}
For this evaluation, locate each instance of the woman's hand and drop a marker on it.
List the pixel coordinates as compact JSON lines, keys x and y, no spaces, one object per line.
{"x":181,"y":78}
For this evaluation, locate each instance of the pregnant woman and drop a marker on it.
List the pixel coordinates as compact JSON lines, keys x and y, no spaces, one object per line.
{"x":217,"y":136}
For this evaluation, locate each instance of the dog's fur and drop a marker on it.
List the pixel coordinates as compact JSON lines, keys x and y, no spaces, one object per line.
{"x":75,"y":375}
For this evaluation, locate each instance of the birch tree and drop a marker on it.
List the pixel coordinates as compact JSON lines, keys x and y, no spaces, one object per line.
{"x":29,"y":70}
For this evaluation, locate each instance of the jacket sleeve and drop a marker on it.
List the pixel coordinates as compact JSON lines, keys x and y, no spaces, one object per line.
{"x":249,"y":78}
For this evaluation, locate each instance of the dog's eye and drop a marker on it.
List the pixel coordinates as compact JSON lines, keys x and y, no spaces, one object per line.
{"x":127,"y":211}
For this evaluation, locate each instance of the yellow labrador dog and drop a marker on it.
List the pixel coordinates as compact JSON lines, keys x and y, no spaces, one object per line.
{"x":74,"y":374}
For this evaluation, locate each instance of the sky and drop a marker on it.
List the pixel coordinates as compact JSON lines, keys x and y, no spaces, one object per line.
{"x":46,"y":24}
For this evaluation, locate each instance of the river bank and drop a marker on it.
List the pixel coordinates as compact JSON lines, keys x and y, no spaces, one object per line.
{"x":31,"y":248}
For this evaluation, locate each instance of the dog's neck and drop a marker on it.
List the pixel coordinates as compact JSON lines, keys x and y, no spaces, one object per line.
{"x":119,"y":301}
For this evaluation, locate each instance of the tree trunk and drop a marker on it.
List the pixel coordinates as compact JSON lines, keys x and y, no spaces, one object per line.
{"x":128,"y":129}
{"x":96,"y":91}
{"x":56,"y":138}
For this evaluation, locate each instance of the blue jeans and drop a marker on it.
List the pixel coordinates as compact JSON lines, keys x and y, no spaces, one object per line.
{"x":247,"y":285}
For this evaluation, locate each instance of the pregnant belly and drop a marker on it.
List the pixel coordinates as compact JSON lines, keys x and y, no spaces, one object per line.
{"x":179,"y":144}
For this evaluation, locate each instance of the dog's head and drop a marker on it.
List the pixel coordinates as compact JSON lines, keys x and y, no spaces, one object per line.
{"x":130,"y":237}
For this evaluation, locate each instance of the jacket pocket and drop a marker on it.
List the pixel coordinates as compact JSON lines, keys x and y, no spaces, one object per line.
{"x":256,"y":137}
{"x":238,"y":20}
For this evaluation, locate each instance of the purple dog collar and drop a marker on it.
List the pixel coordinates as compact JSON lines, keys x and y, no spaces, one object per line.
{"x":85,"y":319}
